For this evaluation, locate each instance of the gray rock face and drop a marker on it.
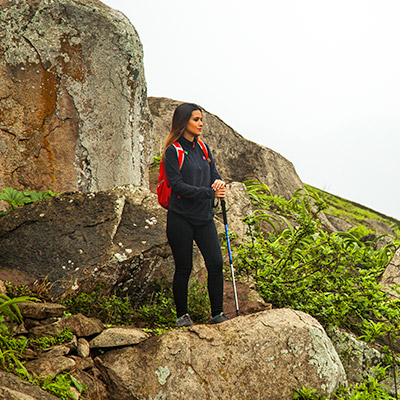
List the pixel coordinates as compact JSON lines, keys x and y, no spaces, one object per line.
{"x":237,"y":159}
{"x":358,"y":358}
{"x":74,"y":112}
{"x":259,"y":356}
{"x":77,"y":240}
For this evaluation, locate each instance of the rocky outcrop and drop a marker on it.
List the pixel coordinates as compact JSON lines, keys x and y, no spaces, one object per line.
{"x":73,"y":356}
{"x":237,"y":159}
{"x":360,"y":359}
{"x":74,"y":112}
{"x":264,"y":355}
{"x":77,"y":240}
{"x":261,"y":356}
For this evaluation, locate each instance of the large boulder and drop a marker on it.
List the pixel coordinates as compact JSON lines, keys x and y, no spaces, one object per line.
{"x":237,"y":158}
{"x":74,"y":112}
{"x":77,"y":240}
{"x":260,"y":356}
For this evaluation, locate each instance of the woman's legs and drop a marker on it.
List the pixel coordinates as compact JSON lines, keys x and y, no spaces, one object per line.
{"x":180,"y":235}
{"x":180,"y":238}
{"x":207,"y":240}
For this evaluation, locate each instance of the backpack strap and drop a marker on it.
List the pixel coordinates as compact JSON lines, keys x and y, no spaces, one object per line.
{"x":180,"y":153}
{"x":204,"y":148}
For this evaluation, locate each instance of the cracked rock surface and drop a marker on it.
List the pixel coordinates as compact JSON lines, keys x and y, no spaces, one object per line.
{"x":74,"y":113}
{"x":77,"y":240}
{"x":258,"y":356}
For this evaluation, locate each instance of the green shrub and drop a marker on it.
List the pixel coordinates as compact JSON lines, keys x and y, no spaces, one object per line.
{"x":160,"y":310}
{"x":199,"y":302}
{"x":60,"y":385}
{"x":370,"y":388}
{"x":11,"y":348}
{"x":49,"y":341}
{"x":109,"y":309}
{"x":332,"y":276}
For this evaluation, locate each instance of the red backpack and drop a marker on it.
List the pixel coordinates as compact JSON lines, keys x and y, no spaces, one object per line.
{"x":163,"y":186}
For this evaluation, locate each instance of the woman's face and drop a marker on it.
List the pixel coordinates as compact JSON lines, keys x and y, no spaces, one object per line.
{"x":194,"y":126}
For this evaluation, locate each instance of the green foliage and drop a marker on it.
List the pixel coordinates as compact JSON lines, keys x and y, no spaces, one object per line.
{"x":11,"y":348}
{"x":332,"y":276}
{"x":307,"y":394}
{"x":109,"y":309}
{"x":360,"y":231}
{"x":370,"y":388}
{"x":19,"y":198}
{"x":49,"y":341}
{"x":160,"y":312}
{"x":198,"y":302}
{"x":60,"y":385}
{"x":156,"y":331}
{"x":17,"y":290}
{"x":302,"y":200}
{"x":155,"y":165}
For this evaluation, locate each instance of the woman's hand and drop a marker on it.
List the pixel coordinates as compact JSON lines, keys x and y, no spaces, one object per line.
{"x":218,"y":184}
{"x":219,"y":187}
{"x":220,"y":193}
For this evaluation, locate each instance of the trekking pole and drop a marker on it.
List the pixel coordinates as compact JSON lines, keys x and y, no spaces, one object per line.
{"x":230,"y":254}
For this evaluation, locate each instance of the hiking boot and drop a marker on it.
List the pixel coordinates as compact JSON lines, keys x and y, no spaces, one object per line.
{"x":219,"y":318}
{"x":184,"y":320}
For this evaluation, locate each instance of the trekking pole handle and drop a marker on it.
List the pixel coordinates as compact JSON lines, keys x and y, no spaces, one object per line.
{"x":223,"y":206}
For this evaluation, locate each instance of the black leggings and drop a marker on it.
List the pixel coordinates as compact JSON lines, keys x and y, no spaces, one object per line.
{"x":181,"y":233}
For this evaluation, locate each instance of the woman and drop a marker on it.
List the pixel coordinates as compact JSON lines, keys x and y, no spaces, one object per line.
{"x":190,"y":213}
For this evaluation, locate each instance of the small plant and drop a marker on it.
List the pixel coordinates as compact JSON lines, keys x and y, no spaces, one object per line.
{"x":11,"y":348}
{"x":155,"y":165}
{"x":156,"y":331}
{"x":39,"y":290}
{"x":60,"y":385}
{"x":370,"y":388}
{"x":49,"y":341}
{"x":159,"y":312}
{"x":109,"y":309}
{"x":198,"y":302}
{"x":17,"y":198}
{"x":307,"y":394}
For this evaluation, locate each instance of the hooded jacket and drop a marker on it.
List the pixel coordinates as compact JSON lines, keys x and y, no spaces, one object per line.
{"x":192,"y":195}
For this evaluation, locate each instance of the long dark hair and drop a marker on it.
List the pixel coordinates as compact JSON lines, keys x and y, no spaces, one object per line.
{"x":180,"y":119}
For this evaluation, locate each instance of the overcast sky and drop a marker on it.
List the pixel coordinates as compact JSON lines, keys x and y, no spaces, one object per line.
{"x":317,"y":81}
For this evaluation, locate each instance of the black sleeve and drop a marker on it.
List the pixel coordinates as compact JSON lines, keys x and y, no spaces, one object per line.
{"x":175,"y":178}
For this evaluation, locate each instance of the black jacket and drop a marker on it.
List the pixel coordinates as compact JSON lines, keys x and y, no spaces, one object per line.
{"x":192,"y":195}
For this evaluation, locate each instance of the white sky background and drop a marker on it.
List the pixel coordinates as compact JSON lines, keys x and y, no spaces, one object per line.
{"x":317,"y":81}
